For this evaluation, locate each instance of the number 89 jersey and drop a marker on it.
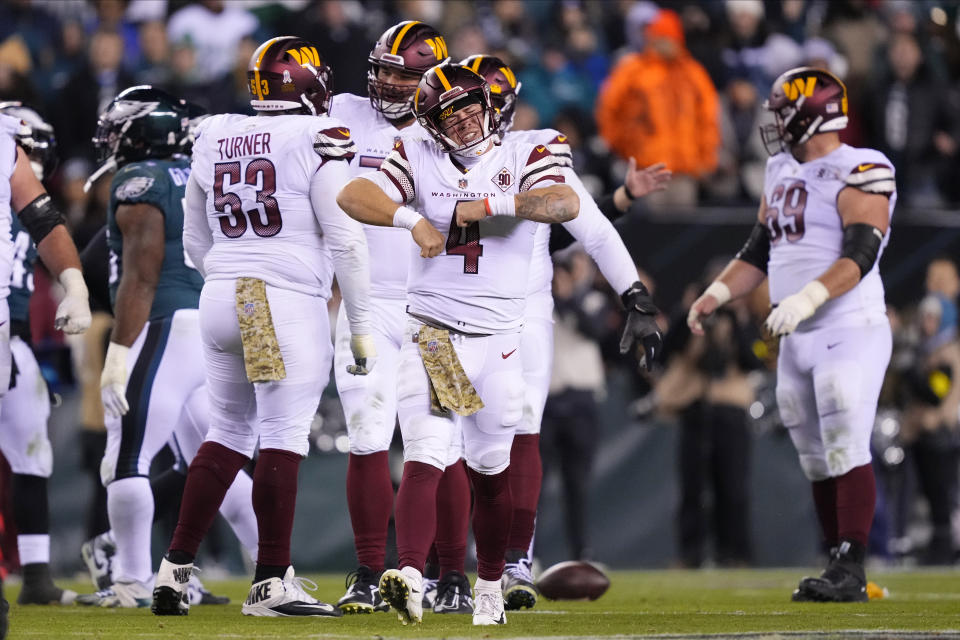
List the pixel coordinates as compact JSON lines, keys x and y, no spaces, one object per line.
{"x":479,"y":284}
{"x":257,"y":173}
{"x":806,"y":231}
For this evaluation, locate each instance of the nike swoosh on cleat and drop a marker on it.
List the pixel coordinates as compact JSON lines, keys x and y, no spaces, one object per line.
{"x":506,"y":355}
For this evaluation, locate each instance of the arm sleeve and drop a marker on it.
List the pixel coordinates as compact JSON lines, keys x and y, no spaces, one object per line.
{"x":600,"y":240}
{"x":346,"y":242}
{"x":197,"y":237}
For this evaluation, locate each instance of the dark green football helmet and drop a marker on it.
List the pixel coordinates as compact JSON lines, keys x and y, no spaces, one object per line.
{"x":142,"y":122}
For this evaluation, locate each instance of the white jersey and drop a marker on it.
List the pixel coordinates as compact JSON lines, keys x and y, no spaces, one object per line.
{"x":479,"y":284}
{"x":8,"y":161}
{"x":375,"y":138}
{"x":591,"y":228}
{"x":256,"y":172}
{"x":806,"y":232}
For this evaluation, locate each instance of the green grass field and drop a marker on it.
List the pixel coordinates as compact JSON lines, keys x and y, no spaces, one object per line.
{"x":653,"y":603}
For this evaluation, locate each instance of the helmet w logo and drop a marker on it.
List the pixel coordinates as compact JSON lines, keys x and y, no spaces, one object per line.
{"x":305,"y":56}
{"x":439,"y":47}
{"x":798,"y":86}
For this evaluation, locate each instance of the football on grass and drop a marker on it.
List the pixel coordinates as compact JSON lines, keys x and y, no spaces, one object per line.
{"x":573,"y":580}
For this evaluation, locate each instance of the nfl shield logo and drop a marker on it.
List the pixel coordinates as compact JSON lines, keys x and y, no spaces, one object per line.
{"x":249,"y":308}
{"x":462,"y":183}
{"x":433,"y":346}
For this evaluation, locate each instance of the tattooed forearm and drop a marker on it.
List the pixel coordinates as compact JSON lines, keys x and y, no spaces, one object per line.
{"x":558,"y":203}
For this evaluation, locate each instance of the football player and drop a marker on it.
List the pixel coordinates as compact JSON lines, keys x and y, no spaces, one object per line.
{"x":823,"y":223}
{"x":459,"y":360}
{"x":26,"y":406}
{"x":263,"y":227}
{"x":397,"y":61}
{"x":22,"y":192}
{"x":604,"y":245}
{"x":148,"y":387}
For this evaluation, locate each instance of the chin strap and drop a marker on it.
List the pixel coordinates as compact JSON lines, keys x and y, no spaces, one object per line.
{"x":106,"y":167}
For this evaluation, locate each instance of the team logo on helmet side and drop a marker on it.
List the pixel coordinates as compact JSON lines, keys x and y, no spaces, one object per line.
{"x":287,"y":73}
{"x":804,"y":101}
{"x":35,"y":136}
{"x":407,"y":49}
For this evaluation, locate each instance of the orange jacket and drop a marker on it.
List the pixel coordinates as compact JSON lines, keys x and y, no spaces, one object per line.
{"x":659,"y":110}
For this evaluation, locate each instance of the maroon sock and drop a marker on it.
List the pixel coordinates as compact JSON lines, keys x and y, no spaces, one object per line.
{"x":856,"y":500}
{"x":274,"y":502}
{"x":416,"y":513}
{"x":526,"y":473}
{"x":825,"y":500}
{"x":210,"y":475}
{"x":491,"y":521}
{"x":370,"y":499}
{"x":453,"y":518}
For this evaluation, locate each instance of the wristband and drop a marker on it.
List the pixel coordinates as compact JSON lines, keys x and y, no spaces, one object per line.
{"x":626,"y":192}
{"x":116,"y":357}
{"x":719,"y":291}
{"x":501,"y":206}
{"x":815,"y":292}
{"x":72,"y":280}
{"x":406,"y":218}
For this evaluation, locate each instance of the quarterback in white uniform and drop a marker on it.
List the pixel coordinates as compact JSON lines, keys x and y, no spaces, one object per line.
{"x":263,"y":228}
{"x":459,"y":360}
{"x":397,"y":61}
{"x":604,"y":245}
{"x":824,"y":221}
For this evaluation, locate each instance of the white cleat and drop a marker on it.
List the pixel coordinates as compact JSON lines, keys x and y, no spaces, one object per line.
{"x":170,"y":590}
{"x":97,"y":554}
{"x":403,"y":591}
{"x":286,"y":598}
{"x":488,"y":604}
{"x":123,"y":595}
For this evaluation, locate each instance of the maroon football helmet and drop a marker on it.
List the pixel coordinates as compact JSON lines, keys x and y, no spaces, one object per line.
{"x":443,"y":91}
{"x":287,"y":73}
{"x":804,"y":101}
{"x":503,"y":86}
{"x":410,"y":47}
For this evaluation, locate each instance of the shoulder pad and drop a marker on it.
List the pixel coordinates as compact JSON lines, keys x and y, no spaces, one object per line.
{"x":541,"y":165}
{"x":872,"y":177}
{"x":334,"y":144}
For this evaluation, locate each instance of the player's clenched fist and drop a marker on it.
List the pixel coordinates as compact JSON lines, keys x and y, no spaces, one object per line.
{"x":430,"y":241}
{"x":469,"y":212}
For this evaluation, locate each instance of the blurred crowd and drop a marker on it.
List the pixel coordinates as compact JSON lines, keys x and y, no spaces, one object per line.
{"x":675,"y":81}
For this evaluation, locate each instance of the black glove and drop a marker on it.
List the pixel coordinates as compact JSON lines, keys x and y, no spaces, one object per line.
{"x":641,"y":325}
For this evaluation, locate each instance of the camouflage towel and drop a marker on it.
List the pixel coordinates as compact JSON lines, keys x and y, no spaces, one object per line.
{"x":261,"y":351}
{"x":450,"y":388}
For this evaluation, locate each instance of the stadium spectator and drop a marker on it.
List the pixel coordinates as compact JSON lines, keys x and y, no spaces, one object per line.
{"x":913,"y":119}
{"x":742,"y":159}
{"x":153,"y":65}
{"x":214,"y":29}
{"x":87,"y":92}
{"x":660,"y":106}
{"x":570,"y":427}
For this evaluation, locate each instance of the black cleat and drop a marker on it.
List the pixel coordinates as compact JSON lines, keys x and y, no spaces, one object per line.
{"x":454,"y":594}
{"x":363,"y":593}
{"x":38,"y":587}
{"x":843,"y":580}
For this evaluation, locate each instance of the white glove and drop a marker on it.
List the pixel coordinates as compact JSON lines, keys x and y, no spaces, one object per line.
{"x":113,"y":381}
{"x":73,"y":313}
{"x":794,"y":309}
{"x":364,"y":354}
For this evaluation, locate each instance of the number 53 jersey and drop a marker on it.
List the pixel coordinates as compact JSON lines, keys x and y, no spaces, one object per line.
{"x":479,"y":283}
{"x":257,"y":173}
{"x":806,"y":231}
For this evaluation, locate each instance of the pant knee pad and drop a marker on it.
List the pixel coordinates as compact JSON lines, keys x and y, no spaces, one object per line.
{"x":844,"y":447}
{"x":369,"y":427}
{"x":232,"y":438}
{"x":488,"y":458}
{"x":790,"y":406}
{"x":838,"y":389}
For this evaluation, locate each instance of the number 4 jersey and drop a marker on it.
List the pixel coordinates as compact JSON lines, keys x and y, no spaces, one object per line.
{"x":479,"y":284}
{"x":257,"y":173}
{"x":806,"y":232}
